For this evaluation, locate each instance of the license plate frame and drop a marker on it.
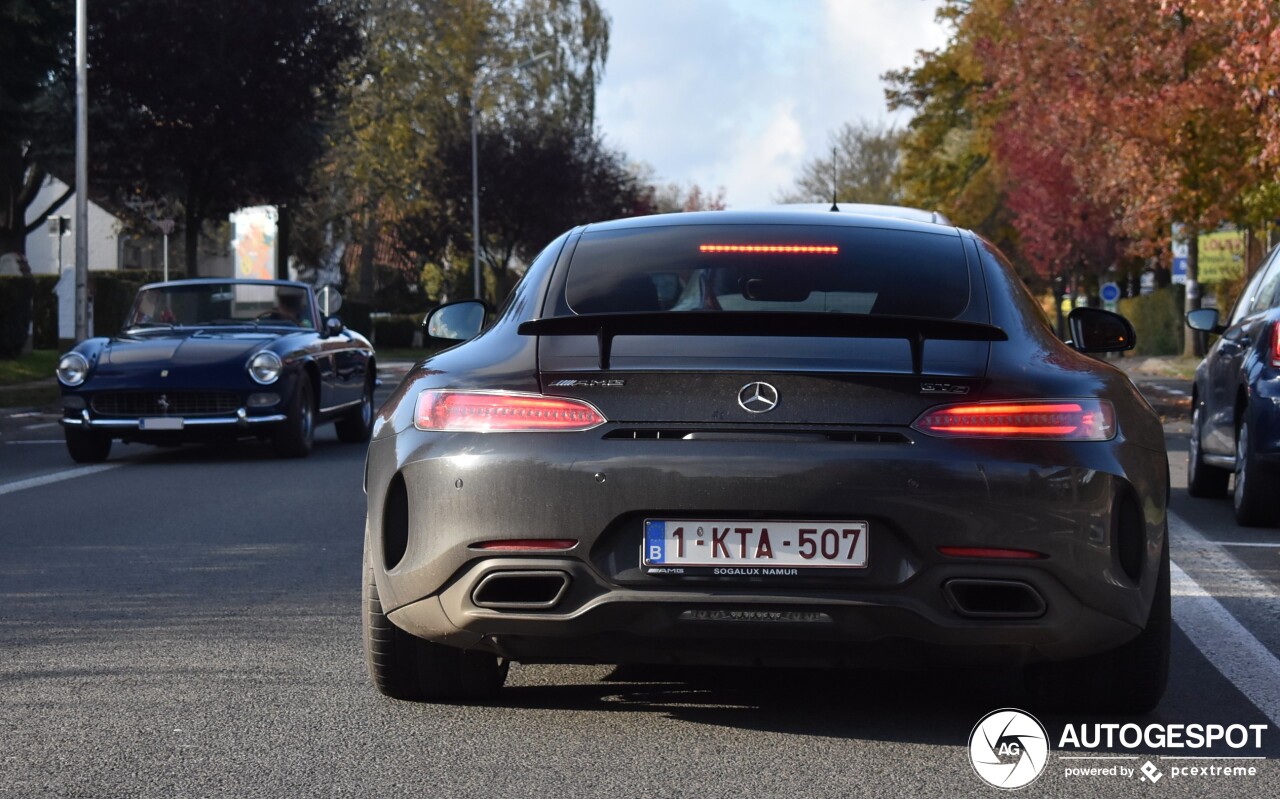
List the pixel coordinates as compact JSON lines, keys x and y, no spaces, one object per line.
{"x":161,"y":423}
{"x":833,"y":545}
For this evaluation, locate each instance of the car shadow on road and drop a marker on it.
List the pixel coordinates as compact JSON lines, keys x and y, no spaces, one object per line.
{"x":936,"y":706}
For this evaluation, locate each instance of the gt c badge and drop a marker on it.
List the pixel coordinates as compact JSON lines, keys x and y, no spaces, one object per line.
{"x":943,"y":388}
{"x":758,"y":397}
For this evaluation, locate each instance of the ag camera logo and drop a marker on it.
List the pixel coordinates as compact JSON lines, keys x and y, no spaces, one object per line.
{"x":1008,"y":748}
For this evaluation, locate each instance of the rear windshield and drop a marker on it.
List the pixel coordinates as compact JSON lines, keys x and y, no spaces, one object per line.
{"x":769,"y":268}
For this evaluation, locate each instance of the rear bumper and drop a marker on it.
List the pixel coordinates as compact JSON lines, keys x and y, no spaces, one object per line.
{"x":1055,"y":499}
{"x":596,"y":621}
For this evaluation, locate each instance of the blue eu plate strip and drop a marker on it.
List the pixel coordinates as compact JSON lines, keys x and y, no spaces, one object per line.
{"x":655,"y":534}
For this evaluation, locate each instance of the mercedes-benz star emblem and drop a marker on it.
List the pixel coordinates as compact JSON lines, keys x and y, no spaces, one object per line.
{"x":758,"y":397}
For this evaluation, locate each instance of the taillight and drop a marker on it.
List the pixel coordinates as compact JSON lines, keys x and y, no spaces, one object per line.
{"x":502,"y":412}
{"x":1275,"y":344}
{"x":1066,"y":420}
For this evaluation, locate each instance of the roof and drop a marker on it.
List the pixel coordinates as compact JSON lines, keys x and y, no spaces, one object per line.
{"x":850,"y":215}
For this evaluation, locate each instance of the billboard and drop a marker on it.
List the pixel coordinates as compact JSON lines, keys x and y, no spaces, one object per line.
{"x":1221,"y":255}
{"x":254,"y":241}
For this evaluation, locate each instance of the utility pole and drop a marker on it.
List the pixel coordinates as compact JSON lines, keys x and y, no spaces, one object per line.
{"x":82,"y":172}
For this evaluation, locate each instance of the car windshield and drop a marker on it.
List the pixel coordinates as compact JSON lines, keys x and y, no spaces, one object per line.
{"x":805,"y":268}
{"x":198,"y":304}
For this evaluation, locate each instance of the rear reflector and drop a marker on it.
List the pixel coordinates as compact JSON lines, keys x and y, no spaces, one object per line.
{"x":772,"y":249}
{"x":527,"y":544}
{"x":502,"y":412}
{"x":1065,"y":420}
{"x":989,"y":552}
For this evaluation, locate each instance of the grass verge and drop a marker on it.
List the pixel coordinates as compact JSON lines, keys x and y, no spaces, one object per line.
{"x":39,"y":365}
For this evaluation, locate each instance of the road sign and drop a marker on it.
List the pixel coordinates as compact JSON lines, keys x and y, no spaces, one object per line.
{"x":1109,"y":292}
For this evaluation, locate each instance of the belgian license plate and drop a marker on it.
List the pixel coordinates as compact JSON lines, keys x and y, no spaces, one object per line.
{"x":807,"y":544}
{"x":160,"y":423}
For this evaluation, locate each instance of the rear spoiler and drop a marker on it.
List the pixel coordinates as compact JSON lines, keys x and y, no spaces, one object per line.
{"x":915,"y":329}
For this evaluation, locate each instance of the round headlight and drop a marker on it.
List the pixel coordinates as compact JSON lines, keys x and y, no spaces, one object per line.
{"x":72,"y":369}
{"x":265,"y":367}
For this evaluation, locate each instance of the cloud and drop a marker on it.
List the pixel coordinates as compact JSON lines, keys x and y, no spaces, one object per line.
{"x":740,"y":94}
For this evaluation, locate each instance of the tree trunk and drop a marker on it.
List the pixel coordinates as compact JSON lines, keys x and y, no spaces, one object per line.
{"x":1193,"y":341}
{"x":368,"y":246}
{"x":191,"y":237}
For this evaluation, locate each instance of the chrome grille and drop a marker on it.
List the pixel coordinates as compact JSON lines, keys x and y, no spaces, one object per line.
{"x":179,"y":403}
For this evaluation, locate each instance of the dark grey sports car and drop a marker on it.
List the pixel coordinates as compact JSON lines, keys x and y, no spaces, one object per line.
{"x":214,"y":358}
{"x":769,"y":438}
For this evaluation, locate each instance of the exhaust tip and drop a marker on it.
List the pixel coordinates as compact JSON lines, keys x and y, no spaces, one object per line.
{"x":521,"y":590}
{"x":994,"y":599}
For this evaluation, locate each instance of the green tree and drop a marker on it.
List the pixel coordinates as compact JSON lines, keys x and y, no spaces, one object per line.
{"x":35,"y":52}
{"x":214,"y":105}
{"x":860,"y":169}
{"x":947,"y":161}
{"x":539,"y":180}
{"x":428,"y":64}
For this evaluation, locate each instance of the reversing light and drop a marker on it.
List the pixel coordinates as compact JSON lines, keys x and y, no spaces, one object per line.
{"x":527,"y":544}
{"x":771,"y":249}
{"x":990,"y":552}
{"x":503,"y":412}
{"x":1064,"y":420}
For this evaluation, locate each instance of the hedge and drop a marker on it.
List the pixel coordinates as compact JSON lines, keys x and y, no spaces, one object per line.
{"x":45,"y":310}
{"x":16,"y":295}
{"x":395,"y":331}
{"x":355,"y":315}
{"x":1157,"y":319}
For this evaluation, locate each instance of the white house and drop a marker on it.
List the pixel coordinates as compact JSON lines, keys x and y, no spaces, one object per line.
{"x":105,"y":247}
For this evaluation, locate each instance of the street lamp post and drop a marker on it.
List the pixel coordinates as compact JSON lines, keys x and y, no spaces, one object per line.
{"x":480,"y":81}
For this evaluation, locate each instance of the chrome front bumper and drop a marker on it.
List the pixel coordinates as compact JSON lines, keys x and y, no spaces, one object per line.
{"x":240,"y":419}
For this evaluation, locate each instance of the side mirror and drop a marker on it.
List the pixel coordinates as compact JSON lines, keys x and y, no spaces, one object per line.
{"x":1096,"y":330}
{"x":330,"y":300}
{"x":457,"y":321}
{"x":333,"y":326}
{"x":1206,"y":320}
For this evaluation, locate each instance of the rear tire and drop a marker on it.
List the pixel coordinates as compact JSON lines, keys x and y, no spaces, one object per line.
{"x":403,"y":666}
{"x":87,"y":446}
{"x":1203,"y":480}
{"x":1255,"y":487}
{"x":354,"y":428}
{"x":1130,"y":679}
{"x":296,"y":434}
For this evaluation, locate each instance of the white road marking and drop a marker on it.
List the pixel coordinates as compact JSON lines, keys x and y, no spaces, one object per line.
{"x":1262,"y":544}
{"x":39,"y":426}
{"x":1223,"y":640}
{"x":37,"y":441}
{"x":56,"y":477}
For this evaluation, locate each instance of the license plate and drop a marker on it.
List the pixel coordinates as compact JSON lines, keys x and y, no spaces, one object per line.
{"x":160,"y":423}
{"x":808,"y":544}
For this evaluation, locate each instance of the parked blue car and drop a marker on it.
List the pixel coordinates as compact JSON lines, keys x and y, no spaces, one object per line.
{"x":218,"y":359}
{"x":1235,"y":405}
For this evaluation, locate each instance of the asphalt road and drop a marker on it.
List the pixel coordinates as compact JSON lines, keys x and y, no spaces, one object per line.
{"x":185,"y":623}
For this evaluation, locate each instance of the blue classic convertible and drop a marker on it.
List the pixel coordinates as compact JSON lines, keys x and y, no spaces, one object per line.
{"x":218,"y":359}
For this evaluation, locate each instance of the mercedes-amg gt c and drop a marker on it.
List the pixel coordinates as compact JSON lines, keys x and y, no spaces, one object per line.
{"x":770,"y":439}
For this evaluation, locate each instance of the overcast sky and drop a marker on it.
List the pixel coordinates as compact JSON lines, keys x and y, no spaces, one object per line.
{"x":740,"y":93}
